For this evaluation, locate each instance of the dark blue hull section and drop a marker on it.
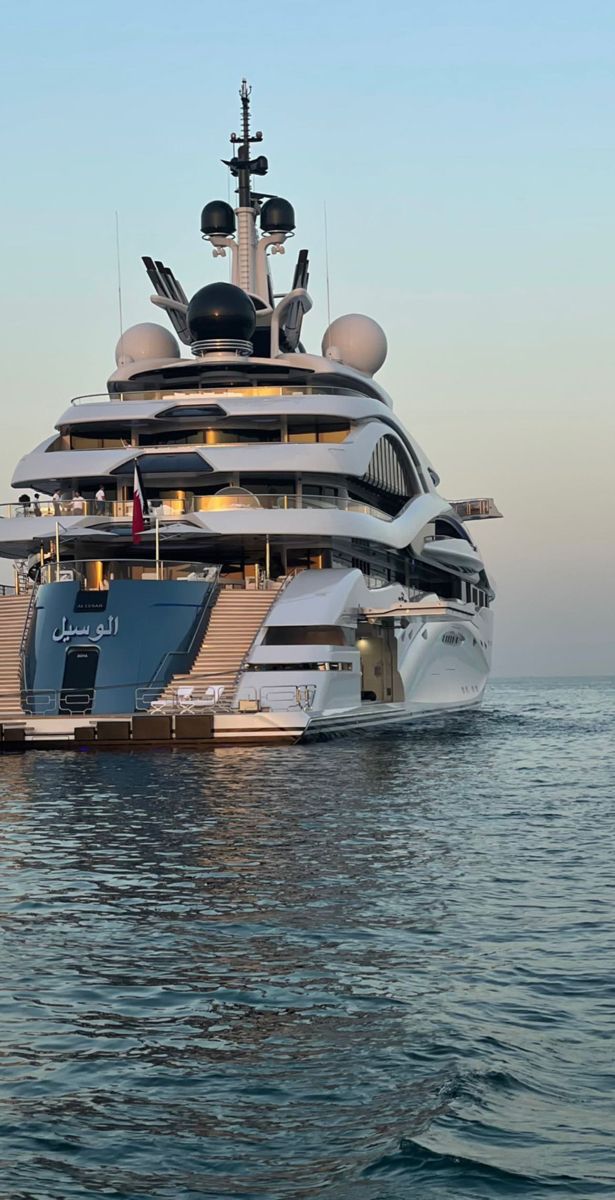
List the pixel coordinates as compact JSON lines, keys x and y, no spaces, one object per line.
{"x":142,"y":632}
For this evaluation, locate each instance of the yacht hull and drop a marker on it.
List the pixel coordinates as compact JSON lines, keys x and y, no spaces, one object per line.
{"x":444,"y":676}
{"x":54,"y":733}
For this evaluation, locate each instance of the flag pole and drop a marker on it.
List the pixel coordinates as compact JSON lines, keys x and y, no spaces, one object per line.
{"x":157,"y":548}
{"x":57,"y":551}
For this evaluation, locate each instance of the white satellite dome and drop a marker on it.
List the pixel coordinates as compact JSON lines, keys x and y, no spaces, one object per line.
{"x":145,"y":341}
{"x":357,"y":341}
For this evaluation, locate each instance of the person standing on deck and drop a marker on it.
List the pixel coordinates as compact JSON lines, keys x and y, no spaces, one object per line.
{"x":100,"y":501}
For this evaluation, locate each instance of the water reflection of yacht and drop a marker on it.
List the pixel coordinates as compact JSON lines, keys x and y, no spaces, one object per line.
{"x":298,"y":571}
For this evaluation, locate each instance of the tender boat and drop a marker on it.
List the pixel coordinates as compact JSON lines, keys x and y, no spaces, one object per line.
{"x":238,"y":540}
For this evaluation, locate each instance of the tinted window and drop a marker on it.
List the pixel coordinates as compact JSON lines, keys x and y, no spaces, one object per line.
{"x":166,"y":464}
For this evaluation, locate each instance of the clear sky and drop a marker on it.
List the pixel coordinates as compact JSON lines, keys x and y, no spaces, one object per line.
{"x":465,"y":152}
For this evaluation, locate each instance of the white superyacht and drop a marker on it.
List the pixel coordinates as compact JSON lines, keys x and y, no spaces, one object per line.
{"x":238,"y":540}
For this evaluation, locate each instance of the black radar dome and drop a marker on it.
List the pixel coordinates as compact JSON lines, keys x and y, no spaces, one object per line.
{"x":277,"y":216}
{"x":217,"y":218}
{"x":221,"y":310}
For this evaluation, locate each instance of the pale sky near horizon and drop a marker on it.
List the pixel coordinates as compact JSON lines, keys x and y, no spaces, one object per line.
{"x":465,"y":151}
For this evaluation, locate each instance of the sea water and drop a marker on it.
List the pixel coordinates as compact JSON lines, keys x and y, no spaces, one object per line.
{"x":374,"y":968}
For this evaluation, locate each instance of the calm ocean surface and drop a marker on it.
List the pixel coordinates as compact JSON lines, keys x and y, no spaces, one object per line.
{"x":377,"y":968}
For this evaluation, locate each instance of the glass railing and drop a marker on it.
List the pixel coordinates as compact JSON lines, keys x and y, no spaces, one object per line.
{"x":96,"y":575}
{"x":77,"y":507}
{"x":476,"y":509}
{"x":220,"y":438}
{"x":202,"y":697}
{"x":263,"y":391}
{"x":173,"y":508}
{"x":223,"y":501}
{"x":136,"y":698}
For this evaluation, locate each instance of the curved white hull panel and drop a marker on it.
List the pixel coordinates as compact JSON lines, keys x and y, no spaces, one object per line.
{"x":441,"y":658}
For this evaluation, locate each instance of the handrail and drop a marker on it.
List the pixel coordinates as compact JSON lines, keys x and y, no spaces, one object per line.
{"x":242,"y":666}
{"x":72,"y":701}
{"x":81,"y":508}
{"x":119,"y":568}
{"x":477,"y":508}
{"x":278,"y":592}
{"x":187,"y":393}
{"x":221,"y":502}
{"x":198,"y":632}
{"x":191,"y":698}
{"x":23,"y":645}
{"x":172,"y":509}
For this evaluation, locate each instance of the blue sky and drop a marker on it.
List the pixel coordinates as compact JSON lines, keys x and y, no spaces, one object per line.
{"x":465,"y":154}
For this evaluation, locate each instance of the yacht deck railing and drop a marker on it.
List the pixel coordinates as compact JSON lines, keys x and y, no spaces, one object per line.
{"x":76,"y":702}
{"x":197,"y":698}
{"x":171,"y":509}
{"x":263,"y":391}
{"x":173,"y":662}
{"x":476,"y":509}
{"x":108,"y":570}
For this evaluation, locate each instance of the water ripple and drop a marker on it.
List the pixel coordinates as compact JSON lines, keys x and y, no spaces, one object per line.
{"x":372,"y":969}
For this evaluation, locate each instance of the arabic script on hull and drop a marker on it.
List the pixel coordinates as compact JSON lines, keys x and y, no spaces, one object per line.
{"x":66,"y":632}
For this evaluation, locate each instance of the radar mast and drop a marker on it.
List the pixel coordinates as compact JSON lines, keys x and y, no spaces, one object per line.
{"x":241,"y":165}
{"x":259,"y":226}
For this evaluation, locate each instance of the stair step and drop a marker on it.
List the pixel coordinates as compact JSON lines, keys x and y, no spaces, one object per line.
{"x":234,"y":622}
{"x":13,"y":613}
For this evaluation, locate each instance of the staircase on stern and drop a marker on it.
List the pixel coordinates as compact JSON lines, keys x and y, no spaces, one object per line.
{"x":13,"y":616}
{"x":235,"y":620}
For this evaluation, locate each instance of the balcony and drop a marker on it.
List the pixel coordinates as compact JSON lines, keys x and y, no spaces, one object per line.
{"x":96,"y":575}
{"x":170,"y":509}
{"x":262,"y":391}
{"x":481,"y":508}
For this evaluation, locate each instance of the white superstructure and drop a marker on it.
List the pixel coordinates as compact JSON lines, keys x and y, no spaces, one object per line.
{"x":268,"y":470}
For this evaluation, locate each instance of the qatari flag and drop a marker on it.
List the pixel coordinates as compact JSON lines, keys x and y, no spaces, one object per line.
{"x":140,"y":507}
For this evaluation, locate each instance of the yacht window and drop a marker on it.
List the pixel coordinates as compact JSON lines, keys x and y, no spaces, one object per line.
{"x":218,"y":436}
{"x":384,"y":502}
{"x":315,"y":489}
{"x":307,"y":430}
{"x":308,"y":666}
{"x":166,"y":464}
{"x":172,"y":437}
{"x":247,"y":379}
{"x":271,"y":485}
{"x":158,"y":464}
{"x":451,"y":528}
{"x":320,"y":429}
{"x":308,"y":635}
{"x":85,"y":442}
{"x":207,"y":411}
{"x":107,"y":438}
